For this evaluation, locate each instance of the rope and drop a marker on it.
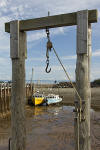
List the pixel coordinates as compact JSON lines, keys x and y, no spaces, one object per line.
{"x":49,"y":46}
{"x":74,"y":90}
{"x":78,"y":111}
{"x":67,"y":75}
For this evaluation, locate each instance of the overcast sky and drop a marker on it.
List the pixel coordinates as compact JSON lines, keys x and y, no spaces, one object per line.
{"x":64,"y":38}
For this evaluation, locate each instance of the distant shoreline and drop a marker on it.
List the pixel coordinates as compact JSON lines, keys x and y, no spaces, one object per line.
{"x":54,"y":83}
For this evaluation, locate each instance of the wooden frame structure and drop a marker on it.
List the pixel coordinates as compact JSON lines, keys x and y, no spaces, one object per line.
{"x":83,"y":20}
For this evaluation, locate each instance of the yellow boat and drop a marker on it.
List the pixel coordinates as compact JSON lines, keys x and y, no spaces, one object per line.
{"x":38,"y":99}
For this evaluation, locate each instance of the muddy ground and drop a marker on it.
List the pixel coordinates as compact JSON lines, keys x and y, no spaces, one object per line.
{"x":52,"y":127}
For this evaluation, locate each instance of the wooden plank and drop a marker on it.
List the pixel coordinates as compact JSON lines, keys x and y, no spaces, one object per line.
{"x":23,"y":47}
{"x":52,"y":21}
{"x":82,"y":129}
{"x":18,"y":136}
{"x":14,"y":39}
{"x":82,"y":29}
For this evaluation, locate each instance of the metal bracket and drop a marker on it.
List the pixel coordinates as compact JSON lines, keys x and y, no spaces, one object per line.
{"x":79,"y":110}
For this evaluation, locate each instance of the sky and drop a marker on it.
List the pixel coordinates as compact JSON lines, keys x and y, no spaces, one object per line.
{"x":63,"y":38}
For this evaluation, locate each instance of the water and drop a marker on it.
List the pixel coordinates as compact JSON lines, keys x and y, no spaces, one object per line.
{"x":51,"y":128}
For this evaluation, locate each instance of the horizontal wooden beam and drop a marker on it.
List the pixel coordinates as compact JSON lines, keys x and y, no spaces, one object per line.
{"x":52,"y":21}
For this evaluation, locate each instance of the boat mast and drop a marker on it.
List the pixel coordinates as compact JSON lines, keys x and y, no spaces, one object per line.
{"x":32,"y":87}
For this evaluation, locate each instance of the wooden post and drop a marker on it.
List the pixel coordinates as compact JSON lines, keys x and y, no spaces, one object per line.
{"x":17,"y":53}
{"x":5,"y":100}
{"x":1,"y":90}
{"x":29,"y":90}
{"x":32,"y":83}
{"x":8,"y":98}
{"x":8,"y":89}
{"x":26,"y":89}
{"x":1,"y":98}
{"x":82,"y":128}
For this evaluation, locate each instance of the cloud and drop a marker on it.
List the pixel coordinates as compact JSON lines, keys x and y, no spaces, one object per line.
{"x":5,"y":62}
{"x":2,"y":3}
{"x":95,"y":72}
{"x":36,"y":59}
{"x":96,"y":53}
{"x":29,"y":9}
{"x":37,"y":35}
{"x":17,"y":10}
{"x":5,"y":68}
{"x":56,"y":73}
{"x":98,"y":13}
{"x":26,"y":9}
{"x":68,"y":57}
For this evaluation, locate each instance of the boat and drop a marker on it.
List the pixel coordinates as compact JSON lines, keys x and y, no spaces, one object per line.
{"x":38,"y":99}
{"x":53,"y":99}
{"x":41,"y":99}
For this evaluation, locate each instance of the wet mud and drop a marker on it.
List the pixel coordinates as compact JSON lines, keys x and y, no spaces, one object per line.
{"x":51,"y":128}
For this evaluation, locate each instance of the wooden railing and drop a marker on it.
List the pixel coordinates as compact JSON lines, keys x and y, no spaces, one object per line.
{"x":5,"y":96}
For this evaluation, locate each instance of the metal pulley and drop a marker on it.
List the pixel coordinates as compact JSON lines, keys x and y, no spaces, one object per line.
{"x":49,"y":45}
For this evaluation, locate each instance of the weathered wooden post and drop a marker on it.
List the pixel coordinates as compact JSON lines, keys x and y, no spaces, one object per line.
{"x":5,"y":98}
{"x":1,"y":98}
{"x":17,"y":53}
{"x":8,"y":98}
{"x":82,"y":127}
{"x":26,"y":89}
{"x":31,"y":84}
{"x":8,"y":89}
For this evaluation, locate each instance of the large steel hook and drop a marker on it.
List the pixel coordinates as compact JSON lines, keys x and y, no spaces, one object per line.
{"x":49,"y":46}
{"x":47,"y":71}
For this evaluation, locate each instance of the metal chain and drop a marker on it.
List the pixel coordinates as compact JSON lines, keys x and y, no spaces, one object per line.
{"x":49,"y":46}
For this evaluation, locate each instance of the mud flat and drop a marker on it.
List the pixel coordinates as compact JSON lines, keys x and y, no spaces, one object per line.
{"x":51,"y":128}
{"x":69,"y":97}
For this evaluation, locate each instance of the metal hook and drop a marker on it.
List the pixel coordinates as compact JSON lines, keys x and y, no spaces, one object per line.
{"x":47,"y":71}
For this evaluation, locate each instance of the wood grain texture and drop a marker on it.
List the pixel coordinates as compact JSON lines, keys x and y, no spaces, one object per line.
{"x":82,"y":36}
{"x":18,"y":141}
{"x":14,"y":39}
{"x":52,"y":21}
{"x":82,"y":84}
{"x":83,"y":87}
